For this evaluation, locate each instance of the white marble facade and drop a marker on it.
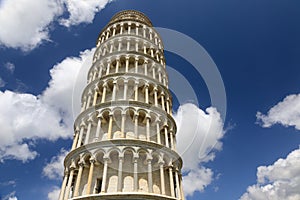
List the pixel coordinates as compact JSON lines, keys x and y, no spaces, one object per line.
{"x":125,"y":136}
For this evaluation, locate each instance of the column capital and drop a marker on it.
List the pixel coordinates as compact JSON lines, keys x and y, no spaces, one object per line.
{"x":92,"y":160}
{"x":81,"y":163}
{"x":82,"y":124}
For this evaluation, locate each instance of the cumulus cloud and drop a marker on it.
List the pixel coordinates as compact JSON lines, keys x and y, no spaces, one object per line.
{"x":10,"y":196}
{"x":54,"y":169}
{"x":82,"y":11}
{"x":278,"y":181}
{"x":199,"y":134}
{"x":23,"y":116}
{"x":10,"y":67}
{"x":2,"y":83}
{"x":25,"y":24}
{"x":286,"y":113}
{"x":54,"y":194}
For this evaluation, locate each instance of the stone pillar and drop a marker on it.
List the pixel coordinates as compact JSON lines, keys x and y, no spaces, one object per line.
{"x":98,"y":129}
{"x":146,"y":93}
{"x":63,"y":186}
{"x":137,"y":29}
{"x":153,"y":73}
{"x":168,"y":105}
{"x":95,"y":96}
{"x":83,"y":105}
{"x":111,"y":47}
{"x":108,"y":67}
{"x":82,"y":126}
{"x":181,"y":189}
{"x":145,"y":48}
{"x":136,"y":45}
{"x":159,"y":76}
{"x":144,"y":31}
{"x":87,"y":137}
{"x":125,"y":89}
{"x":146,"y":67}
{"x":104,"y":175}
{"x":89,"y":100}
{"x":117,"y":65}
{"x":100,"y":72}
{"x":158,"y":131}
{"x":129,"y":28}
{"x":136,"y":91}
{"x":78,"y":179}
{"x":126,"y":63}
{"x":148,"y":127}
{"x":123,"y":124}
{"x":69,"y":185}
{"x":121,"y":28}
{"x":136,"y":125}
{"x":177,"y":184}
{"x":104,"y":93}
{"x":128,"y":45}
{"x":150,"y":182}
{"x":163,"y":101}
{"x":166,"y":136}
{"x":155,"y":96}
{"x":136,"y":63}
{"x":114,"y":90}
{"x":171,"y":181}
{"x":162,"y":177}
{"x":135,"y":173}
{"x":120,"y":170}
{"x":109,"y":132}
{"x":90,"y":177}
{"x":75,"y":139}
{"x":107,"y":35}
{"x":120,"y":45}
{"x":171,"y":140}
{"x":114,"y":31}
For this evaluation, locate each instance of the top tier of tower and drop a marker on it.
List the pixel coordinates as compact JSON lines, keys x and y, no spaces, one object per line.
{"x":130,"y":15}
{"x":130,"y":22}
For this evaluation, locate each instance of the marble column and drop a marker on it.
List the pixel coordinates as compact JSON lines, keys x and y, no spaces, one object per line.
{"x":90,"y":177}
{"x":104,"y":175}
{"x":78,"y":179}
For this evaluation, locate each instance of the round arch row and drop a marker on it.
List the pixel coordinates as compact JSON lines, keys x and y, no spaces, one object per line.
{"x":130,"y":28}
{"x":122,"y":169}
{"x":128,"y":63}
{"x":126,"y":88}
{"x":129,"y":122}
{"x":129,"y":43}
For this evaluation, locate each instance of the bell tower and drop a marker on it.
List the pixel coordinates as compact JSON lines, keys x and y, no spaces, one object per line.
{"x":125,"y":136}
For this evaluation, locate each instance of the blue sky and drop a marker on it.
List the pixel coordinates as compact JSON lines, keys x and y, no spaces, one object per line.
{"x":255,"y":45}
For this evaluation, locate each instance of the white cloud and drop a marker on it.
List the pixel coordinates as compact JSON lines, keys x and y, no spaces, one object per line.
{"x":198,"y":137}
{"x":23,"y":116}
{"x":286,"y":113}
{"x":82,"y":11}
{"x":278,"y":181}
{"x":10,"y":67}
{"x":54,"y":194}
{"x":10,"y":196}
{"x":55,"y":169}
{"x":2,"y":83}
{"x":25,"y":24}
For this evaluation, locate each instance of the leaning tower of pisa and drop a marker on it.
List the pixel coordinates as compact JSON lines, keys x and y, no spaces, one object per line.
{"x":125,"y":136}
